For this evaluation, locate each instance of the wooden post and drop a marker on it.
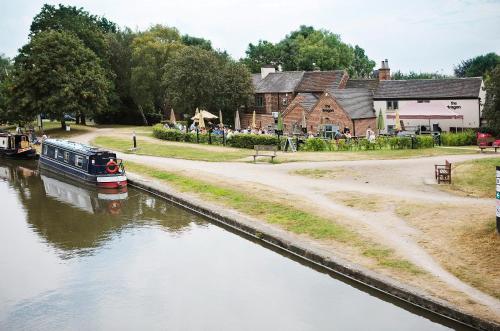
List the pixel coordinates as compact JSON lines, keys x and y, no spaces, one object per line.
{"x":134,"y":140}
{"x":498,"y":199}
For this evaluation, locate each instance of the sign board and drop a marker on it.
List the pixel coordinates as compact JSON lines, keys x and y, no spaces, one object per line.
{"x":498,"y":199}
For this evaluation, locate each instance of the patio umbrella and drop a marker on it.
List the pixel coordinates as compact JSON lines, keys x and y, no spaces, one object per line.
{"x":398,"y":122}
{"x":220,"y":119}
{"x":201,"y":122}
{"x":196,"y":116}
{"x":253,"y":120}
{"x":304,"y":123}
{"x":280,"y":122}
{"x":237,"y":124}
{"x":380,"y":121}
{"x":204,"y":114}
{"x":172,"y":117}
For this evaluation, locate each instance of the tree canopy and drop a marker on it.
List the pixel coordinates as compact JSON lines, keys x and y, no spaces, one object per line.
{"x":478,"y":66}
{"x":398,"y":75}
{"x":491,"y":111}
{"x":55,"y":74}
{"x":198,"y":78}
{"x":309,"y":49}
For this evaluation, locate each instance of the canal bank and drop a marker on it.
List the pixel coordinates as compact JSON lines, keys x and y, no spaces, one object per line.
{"x":310,"y":251}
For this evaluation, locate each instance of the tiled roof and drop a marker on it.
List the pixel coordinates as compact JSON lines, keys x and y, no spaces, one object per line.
{"x":370,"y":84}
{"x":429,"y":88}
{"x":319,"y":81}
{"x":256,"y":78}
{"x":280,"y":82}
{"x":357,"y":102}
{"x":307,"y":100}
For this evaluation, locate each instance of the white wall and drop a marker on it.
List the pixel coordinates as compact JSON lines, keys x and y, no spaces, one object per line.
{"x":469,"y":108}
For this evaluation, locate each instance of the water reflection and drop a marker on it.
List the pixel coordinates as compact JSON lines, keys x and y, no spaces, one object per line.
{"x":77,"y":218}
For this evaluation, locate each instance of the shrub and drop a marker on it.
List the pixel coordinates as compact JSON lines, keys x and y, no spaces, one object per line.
{"x":160,"y":132}
{"x":315,"y":145}
{"x":400,"y":142}
{"x":250,"y":140}
{"x":425,"y":141}
{"x":465,"y":138}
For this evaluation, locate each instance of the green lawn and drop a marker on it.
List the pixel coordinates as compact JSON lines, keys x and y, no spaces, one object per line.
{"x":475,"y":178}
{"x":186,"y":151}
{"x":285,"y":215}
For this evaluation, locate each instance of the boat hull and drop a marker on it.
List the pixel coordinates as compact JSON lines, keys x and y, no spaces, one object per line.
{"x":26,"y":153}
{"x":114,"y":181}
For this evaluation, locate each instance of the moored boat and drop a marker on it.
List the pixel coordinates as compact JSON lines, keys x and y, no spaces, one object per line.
{"x":90,"y":164}
{"x":16,"y":145}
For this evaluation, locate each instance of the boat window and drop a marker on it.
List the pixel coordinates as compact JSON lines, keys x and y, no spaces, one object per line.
{"x":78,"y":161}
{"x":45,"y":149}
{"x":55,"y":153}
{"x":66,"y":156}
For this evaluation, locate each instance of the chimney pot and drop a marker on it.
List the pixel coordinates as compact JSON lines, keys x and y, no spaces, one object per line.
{"x":266,"y":70}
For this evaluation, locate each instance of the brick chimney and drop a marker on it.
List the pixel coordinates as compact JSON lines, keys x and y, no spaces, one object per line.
{"x":266,"y":70}
{"x":384,"y":72}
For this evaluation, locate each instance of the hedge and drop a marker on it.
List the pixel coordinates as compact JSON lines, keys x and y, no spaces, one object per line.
{"x":160,"y":132}
{"x":250,"y":140}
{"x":465,"y":138}
{"x":318,"y":144}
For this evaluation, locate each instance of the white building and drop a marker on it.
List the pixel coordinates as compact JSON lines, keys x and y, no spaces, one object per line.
{"x":432,"y":99}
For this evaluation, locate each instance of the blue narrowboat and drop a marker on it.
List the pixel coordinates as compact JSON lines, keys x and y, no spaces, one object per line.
{"x":83,"y":162}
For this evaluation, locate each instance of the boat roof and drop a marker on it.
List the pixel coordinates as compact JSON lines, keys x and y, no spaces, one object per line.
{"x":74,"y":146}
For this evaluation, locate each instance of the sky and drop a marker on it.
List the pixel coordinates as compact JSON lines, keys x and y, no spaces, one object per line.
{"x":425,"y":35}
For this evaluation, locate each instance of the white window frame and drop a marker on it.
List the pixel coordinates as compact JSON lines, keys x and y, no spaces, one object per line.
{"x":79,"y":161}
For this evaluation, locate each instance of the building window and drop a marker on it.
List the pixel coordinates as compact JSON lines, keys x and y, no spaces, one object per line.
{"x":284,"y":101}
{"x":423,"y":101}
{"x":78,"y":161}
{"x":66,"y":156}
{"x":259,"y":101}
{"x":392,"y":105}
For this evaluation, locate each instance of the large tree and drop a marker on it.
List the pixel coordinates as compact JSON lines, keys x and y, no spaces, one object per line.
{"x":198,"y":78}
{"x":151,"y":52}
{"x":491,"y":111}
{"x":56,"y":74}
{"x":5,"y":72}
{"x":309,"y":49}
{"x":478,"y":66}
{"x":398,"y":75}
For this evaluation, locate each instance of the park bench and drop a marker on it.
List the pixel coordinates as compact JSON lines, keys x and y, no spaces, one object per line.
{"x":269,"y":151}
{"x":487,"y":141}
{"x":443,"y":172}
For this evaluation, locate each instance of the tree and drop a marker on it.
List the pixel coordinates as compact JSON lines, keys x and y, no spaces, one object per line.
{"x":55,"y":74}
{"x":398,"y":75}
{"x":491,"y":111}
{"x":309,"y":49}
{"x":198,"y":78}
{"x":478,"y":66}
{"x":92,"y":30}
{"x":5,"y":70}
{"x":361,"y":66}
{"x":151,"y":51}
{"x":198,"y":42}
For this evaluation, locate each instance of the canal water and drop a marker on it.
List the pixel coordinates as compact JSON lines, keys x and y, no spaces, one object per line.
{"x":74,"y":258}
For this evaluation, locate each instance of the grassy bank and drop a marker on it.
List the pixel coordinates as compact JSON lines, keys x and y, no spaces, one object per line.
{"x":282,"y":214}
{"x":189,"y":152}
{"x":474,"y":178}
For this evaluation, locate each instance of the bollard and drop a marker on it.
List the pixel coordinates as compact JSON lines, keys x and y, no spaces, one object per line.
{"x":134,"y":140}
{"x":197,"y":136}
{"x":223,"y":138}
{"x":498,"y":199}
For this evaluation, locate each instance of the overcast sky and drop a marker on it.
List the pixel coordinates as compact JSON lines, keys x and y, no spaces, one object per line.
{"x":420,"y":35}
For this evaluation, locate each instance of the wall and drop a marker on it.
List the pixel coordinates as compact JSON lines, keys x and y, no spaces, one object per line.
{"x":469,"y":108}
{"x":261,"y":120}
{"x":360,"y":126}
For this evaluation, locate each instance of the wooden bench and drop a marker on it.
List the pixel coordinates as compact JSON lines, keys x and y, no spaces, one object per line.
{"x":443,"y":172}
{"x":269,"y":151}
{"x":487,"y":142}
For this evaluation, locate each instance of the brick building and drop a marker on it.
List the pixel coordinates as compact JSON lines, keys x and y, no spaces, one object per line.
{"x":329,"y":100}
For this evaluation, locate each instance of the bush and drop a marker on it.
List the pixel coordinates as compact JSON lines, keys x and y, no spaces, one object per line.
{"x":316,"y":145}
{"x":425,"y":141}
{"x":465,"y":138}
{"x":160,"y":132}
{"x":400,"y":142}
{"x":250,"y":140}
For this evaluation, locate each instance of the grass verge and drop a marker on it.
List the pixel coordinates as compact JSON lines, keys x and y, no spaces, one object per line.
{"x":285,"y":215}
{"x":174,"y":151}
{"x":474,"y":178}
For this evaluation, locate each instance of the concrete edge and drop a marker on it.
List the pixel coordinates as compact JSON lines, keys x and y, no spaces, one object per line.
{"x":354,"y":272}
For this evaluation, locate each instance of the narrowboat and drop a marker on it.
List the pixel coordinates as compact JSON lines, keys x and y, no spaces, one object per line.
{"x":16,"y":146}
{"x":86,"y":163}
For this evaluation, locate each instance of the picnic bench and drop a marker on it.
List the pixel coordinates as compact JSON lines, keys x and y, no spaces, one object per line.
{"x":443,"y":172}
{"x":487,"y":141}
{"x":265,"y":151}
